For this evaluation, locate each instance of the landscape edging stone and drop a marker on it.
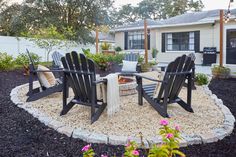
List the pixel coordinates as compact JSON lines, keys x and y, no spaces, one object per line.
{"x":215,"y":135}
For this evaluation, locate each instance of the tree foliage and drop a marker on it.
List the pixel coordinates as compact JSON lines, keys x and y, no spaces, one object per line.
{"x":155,"y":9}
{"x":80,"y":15}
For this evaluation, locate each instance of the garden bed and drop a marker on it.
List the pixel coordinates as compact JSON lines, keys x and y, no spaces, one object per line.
{"x":23,"y":135}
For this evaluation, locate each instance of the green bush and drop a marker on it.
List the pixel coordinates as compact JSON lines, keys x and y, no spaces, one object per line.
{"x":102,"y":60}
{"x":117,"y":58}
{"x":118,"y":49}
{"x":23,"y":59}
{"x":6,"y":61}
{"x":154,"y":52}
{"x":140,"y":59}
{"x":201,"y":79}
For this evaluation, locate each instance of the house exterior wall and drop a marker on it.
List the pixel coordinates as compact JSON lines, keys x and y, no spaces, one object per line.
{"x":208,"y":38}
{"x":153,"y":38}
{"x":119,"y":39}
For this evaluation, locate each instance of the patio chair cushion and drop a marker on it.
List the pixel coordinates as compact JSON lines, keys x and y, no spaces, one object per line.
{"x":47,"y":79}
{"x":129,"y":66}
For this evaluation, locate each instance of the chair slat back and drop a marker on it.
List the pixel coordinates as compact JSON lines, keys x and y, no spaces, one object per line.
{"x":131,"y":57}
{"x":31,"y":60}
{"x":56,"y":56}
{"x":192,"y":56}
{"x":175,"y":82}
{"x":81,"y":83}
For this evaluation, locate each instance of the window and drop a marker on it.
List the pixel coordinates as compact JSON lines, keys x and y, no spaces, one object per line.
{"x":183,"y":41}
{"x":136,"y":40}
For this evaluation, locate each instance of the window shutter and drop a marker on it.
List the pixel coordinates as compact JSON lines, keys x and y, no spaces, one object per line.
{"x":149,"y":35}
{"x":197,"y":41}
{"x":163,"y":43}
{"x":126,"y":41}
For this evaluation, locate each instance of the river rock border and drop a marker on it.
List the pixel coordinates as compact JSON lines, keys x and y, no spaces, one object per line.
{"x":92,"y":137}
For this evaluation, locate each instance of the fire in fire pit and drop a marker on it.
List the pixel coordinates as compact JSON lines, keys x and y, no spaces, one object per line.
{"x":124,"y":80}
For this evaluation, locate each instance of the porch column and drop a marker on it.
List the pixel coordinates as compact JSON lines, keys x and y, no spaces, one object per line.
{"x":221,"y":36}
{"x":96,"y":39}
{"x":145,"y":41}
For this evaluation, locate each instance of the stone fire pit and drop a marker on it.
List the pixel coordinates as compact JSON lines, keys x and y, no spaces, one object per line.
{"x":127,"y":86}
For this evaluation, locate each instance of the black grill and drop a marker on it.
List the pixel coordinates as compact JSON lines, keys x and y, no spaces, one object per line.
{"x":209,"y":55}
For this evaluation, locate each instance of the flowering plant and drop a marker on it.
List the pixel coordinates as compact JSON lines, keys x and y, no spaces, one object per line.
{"x":88,"y":151}
{"x":169,"y":147}
{"x":170,"y":138}
{"x":131,"y":149}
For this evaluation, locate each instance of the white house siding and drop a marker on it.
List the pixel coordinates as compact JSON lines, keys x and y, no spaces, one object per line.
{"x":14,"y":46}
{"x":119,"y":39}
{"x":153,"y":38}
{"x":208,"y":38}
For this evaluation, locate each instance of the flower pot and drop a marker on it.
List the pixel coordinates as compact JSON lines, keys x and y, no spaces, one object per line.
{"x":220,"y":75}
{"x":108,"y":52}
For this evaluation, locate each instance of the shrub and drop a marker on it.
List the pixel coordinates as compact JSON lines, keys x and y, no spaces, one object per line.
{"x":23,"y":59}
{"x":117,"y":58}
{"x":6,"y":61}
{"x":118,"y":49}
{"x":103,"y":61}
{"x":201,"y":79}
{"x":220,"y":72}
{"x":140,"y":59}
{"x":154,"y":52}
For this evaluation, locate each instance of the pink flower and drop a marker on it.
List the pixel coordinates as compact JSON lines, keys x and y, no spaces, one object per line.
{"x":86,"y":148}
{"x":127,"y":145}
{"x":104,"y":155}
{"x":135,"y":152}
{"x":164,"y":122}
{"x":169,"y":135}
{"x":177,"y":127}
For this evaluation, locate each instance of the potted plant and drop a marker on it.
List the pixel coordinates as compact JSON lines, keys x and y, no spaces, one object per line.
{"x":105,"y":48}
{"x":220,"y":72}
{"x":146,"y":67}
{"x":154,"y":52}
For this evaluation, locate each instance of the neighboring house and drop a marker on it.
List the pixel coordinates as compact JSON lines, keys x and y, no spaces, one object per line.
{"x":183,"y":34}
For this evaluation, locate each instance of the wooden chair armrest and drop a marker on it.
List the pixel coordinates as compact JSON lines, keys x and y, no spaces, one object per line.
{"x":99,"y":81}
{"x":147,"y":78}
{"x":35,"y":71}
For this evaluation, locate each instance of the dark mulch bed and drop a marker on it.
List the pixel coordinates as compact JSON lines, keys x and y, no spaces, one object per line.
{"x":23,"y":135}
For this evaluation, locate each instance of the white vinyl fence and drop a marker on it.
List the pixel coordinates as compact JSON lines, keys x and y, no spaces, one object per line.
{"x":16,"y":45}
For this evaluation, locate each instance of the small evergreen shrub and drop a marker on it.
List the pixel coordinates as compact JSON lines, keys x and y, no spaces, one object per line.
{"x":118,"y":49}
{"x":201,"y":79}
{"x":23,"y":59}
{"x":104,"y":61}
{"x":6,"y":62}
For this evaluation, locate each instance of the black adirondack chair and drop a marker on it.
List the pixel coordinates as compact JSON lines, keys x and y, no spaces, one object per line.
{"x":193,"y":58}
{"x":40,"y":92}
{"x":176,"y":74}
{"x":80,"y":74}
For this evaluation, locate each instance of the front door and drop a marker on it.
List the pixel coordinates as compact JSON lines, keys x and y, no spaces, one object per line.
{"x":231,"y":46}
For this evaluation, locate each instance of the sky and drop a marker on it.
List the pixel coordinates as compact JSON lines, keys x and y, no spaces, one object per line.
{"x":209,"y":4}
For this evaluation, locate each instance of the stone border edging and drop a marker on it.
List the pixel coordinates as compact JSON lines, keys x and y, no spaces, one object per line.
{"x":91,"y":137}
